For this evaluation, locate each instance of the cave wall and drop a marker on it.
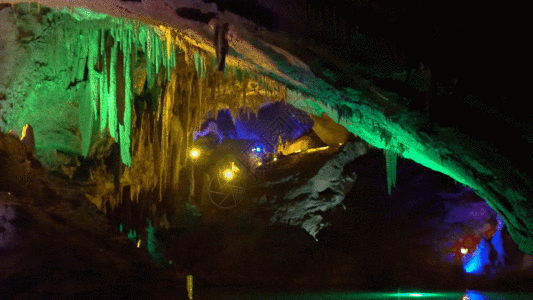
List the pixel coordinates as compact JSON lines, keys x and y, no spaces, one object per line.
{"x":362,"y":107}
{"x":134,"y":93}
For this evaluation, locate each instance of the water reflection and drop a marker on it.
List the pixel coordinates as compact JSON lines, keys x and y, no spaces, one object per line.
{"x":469,"y":295}
{"x":473,"y":295}
{"x":479,"y":295}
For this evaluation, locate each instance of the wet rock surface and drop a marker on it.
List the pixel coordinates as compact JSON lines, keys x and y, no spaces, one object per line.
{"x":372,"y":241}
{"x":64,"y":248}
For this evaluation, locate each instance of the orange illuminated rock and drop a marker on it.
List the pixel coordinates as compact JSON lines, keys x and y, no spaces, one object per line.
{"x":330,"y":132}
{"x":28,"y":138}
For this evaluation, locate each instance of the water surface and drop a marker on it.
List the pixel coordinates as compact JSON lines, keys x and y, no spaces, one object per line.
{"x":467,"y":295}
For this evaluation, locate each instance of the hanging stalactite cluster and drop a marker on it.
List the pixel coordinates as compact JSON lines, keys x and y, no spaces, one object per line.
{"x":111,"y":51}
{"x":126,"y":61}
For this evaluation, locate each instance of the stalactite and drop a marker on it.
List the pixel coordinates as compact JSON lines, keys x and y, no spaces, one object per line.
{"x":197,"y":64}
{"x":149,"y":45}
{"x":79,"y":54}
{"x":391,"y":161}
{"x":154,"y":156}
{"x":144,"y":170}
{"x":125,"y":128}
{"x":150,"y":75}
{"x":201,"y":109}
{"x":167,"y":56}
{"x":189,"y":112}
{"x":86,"y":122}
{"x":164,"y":110}
{"x":156,"y":55}
{"x":172,"y":60}
{"x":112,"y":92}
{"x":203,"y":67}
{"x":103,"y":91}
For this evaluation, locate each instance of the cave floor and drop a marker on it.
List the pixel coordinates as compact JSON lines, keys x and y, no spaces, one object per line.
{"x":45,"y":255}
{"x":56,"y":259}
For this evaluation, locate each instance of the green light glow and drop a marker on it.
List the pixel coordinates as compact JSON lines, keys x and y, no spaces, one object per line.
{"x":81,"y":13}
{"x":132,"y":235}
{"x":154,"y":247}
{"x":391,"y":160}
{"x":197,"y":63}
{"x":361,"y":296}
{"x":93,"y":41}
{"x":416,"y":295}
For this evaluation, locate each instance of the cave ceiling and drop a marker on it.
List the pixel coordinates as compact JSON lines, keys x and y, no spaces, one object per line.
{"x":318,"y":79}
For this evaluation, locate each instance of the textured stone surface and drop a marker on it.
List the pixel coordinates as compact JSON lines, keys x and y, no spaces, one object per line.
{"x":361,"y":91}
{"x":304,"y":205}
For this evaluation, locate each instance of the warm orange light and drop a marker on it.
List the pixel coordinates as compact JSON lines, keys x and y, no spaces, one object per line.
{"x":464,"y":251}
{"x":194,"y":153}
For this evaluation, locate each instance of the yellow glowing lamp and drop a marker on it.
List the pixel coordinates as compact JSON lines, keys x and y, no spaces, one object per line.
{"x":275,"y":158}
{"x":228,"y":174}
{"x":194,"y":153}
{"x":464,"y":251}
{"x":139,"y":243}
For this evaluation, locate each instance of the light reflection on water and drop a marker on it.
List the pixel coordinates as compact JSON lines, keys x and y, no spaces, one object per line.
{"x":468,"y":295}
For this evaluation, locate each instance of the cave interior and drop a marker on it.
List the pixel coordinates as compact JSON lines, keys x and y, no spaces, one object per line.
{"x":260,"y":147}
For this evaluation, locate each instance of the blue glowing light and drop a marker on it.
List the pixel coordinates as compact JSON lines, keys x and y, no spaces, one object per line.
{"x":497,"y":243}
{"x":257,"y":149}
{"x":479,"y":258}
{"x":474,"y":295}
